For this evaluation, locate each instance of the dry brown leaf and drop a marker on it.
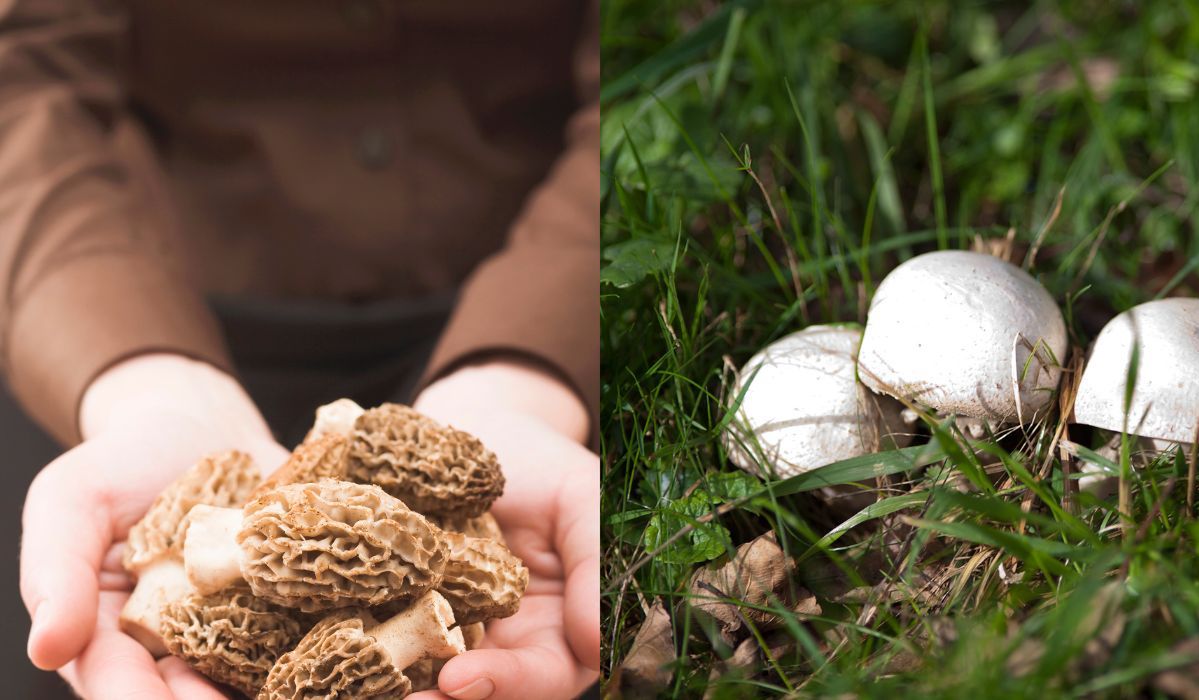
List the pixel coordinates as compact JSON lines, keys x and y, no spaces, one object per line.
{"x":646,"y":670}
{"x":759,"y":575}
{"x":747,"y":659}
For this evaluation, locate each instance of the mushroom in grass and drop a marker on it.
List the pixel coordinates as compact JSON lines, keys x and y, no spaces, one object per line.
{"x":1164,"y":406}
{"x":232,"y":637}
{"x":317,"y":546}
{"x":482,"y":579}
{"x":964,"y":334}
{"x":153,"y":548}
{"x":349,"y":656}
{"x":803,"y":406}
{"x":434,"y":468}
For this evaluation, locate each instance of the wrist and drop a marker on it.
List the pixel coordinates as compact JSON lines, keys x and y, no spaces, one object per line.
{"x":158,"y":385}
{"x":507,"y":385}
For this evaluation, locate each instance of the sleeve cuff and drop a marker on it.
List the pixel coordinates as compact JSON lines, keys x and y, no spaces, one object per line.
{"x":91,"y":313}
{"x":541,"y":303}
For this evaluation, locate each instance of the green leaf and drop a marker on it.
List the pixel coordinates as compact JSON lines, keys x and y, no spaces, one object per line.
{"x":729,"y":486}
{"x":707,"y":541}
{"x":632,"y":261}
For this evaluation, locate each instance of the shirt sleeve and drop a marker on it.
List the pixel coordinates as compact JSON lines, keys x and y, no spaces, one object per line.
{"x":89,"y":267}
{"x":539,"y":296}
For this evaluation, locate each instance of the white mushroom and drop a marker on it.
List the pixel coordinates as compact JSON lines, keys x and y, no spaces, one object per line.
{"x":803,"y":406}
{"x":1165,"y":398}
{"x":964,"y":334}
{"x":1164,"y":406}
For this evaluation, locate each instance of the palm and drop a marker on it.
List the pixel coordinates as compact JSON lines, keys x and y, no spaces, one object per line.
{"x":77,"y":515}
{"x":548,"y":517}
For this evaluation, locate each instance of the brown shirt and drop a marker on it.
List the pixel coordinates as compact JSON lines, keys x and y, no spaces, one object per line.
{"x":153,"y":152}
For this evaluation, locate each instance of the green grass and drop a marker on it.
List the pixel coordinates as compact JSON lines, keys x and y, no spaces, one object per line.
{"x":765,"y":164}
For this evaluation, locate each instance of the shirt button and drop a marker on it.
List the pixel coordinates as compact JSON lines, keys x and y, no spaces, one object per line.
{"x":362,"y":14}
{"x":376,"y":148}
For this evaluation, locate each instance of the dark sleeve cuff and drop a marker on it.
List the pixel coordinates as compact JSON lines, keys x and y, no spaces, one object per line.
{"x":87,"y":315}
{"x":540,"y":303}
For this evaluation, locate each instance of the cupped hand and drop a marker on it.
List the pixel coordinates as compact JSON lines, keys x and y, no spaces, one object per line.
{"x":550,"y":516}
{"x":144,"y":422}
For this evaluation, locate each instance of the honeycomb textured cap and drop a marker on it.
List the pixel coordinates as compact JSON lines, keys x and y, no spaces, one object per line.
{"x":232,"y":637}
{"x":435,"y":469}
{"x":336,"y":659}
{"x":225,"y":480}
{"x":484,"y":525}
{"x":334,"y":543}
{"x":322,"y":458}
{"x":482,"y":580}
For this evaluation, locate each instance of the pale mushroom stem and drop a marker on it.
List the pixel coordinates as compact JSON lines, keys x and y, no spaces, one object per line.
{"x":423,"y":631}
{"x":337,"y":417}
{"x":211,"y":554}
{"x":163,"y":582}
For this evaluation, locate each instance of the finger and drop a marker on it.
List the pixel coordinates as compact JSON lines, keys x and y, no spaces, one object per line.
{"x":577,"y":539}
{"x":114,"y":666}
{"x":64,"y":538}
{"x":185,"y":683}
{"x":512,"y":674}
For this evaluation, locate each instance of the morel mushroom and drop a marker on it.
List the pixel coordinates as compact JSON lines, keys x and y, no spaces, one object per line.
{"x":433,"y":468}
{"x":317,"y":546}
{"x":482,"y":579}
{"x":985,"y":347}
{"x":322,"y":457}
{"x":153,"y":547}
{"x":233,"y":637}
{"x":484,"y":525}
{"x":351,"y":657}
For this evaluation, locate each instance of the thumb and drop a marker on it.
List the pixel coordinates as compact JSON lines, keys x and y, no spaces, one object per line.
{"x":577,"y":539}
{"x":66,"y":530}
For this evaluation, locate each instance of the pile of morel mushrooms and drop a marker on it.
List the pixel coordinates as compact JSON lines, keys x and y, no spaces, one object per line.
{"x":354,"y":571}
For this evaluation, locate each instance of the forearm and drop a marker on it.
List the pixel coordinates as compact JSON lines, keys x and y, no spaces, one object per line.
{"x":507,"y":385}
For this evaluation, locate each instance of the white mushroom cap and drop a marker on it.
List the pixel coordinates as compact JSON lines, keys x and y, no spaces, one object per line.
{"x":956,"y":331}
{"x":804,"y":407}
{"x":1165,"y":399}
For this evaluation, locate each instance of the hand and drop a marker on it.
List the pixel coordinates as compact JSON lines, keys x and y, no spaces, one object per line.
{"x":550,"y":516}
{"x":144,"y":421}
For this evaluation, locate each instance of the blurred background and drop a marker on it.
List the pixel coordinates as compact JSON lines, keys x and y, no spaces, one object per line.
{"x":765,"y":164}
